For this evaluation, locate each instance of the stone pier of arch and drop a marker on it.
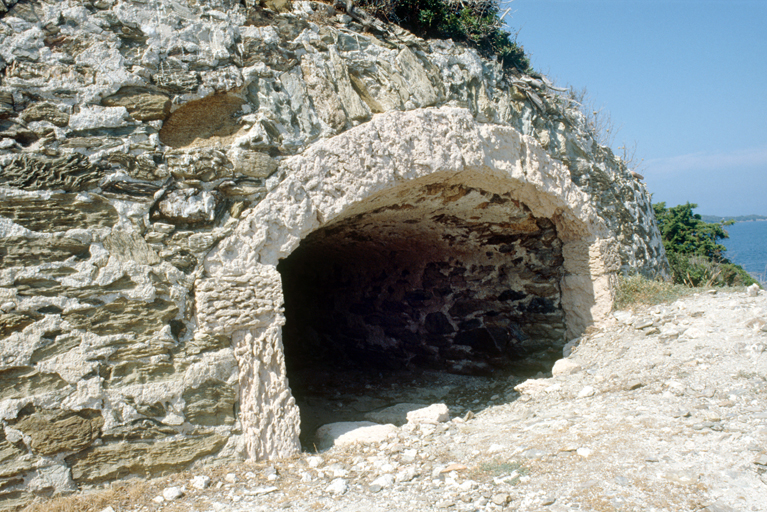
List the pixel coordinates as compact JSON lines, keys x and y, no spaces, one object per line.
{"x":413,"y":182}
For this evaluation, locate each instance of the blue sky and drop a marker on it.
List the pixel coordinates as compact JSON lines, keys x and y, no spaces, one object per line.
{"x":684,"y":80}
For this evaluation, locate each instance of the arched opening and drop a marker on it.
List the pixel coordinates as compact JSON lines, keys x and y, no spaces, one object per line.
{"x":438,"y":275}
{"x":418,"y":240}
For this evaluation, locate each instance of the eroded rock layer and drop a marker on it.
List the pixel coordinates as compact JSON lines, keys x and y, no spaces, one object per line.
{"x":159,"y":159}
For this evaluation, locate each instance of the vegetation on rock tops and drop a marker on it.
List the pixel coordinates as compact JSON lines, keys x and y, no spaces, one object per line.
{"x":478,"y":23}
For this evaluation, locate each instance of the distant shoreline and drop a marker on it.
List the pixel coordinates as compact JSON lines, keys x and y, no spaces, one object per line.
{"x":714,"y":219}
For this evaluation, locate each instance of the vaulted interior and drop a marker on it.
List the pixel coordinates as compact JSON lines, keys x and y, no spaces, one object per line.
{"x":437,"y":275}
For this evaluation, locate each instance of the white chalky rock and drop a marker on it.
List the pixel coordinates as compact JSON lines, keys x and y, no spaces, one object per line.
{"x":201,"y":482}
{"x":586,"y":392}
{"x":383,"y":481}
{"x":172,"y":493}
{"x":436,"y":413}
{"x":314,"y":462}
{"x":337,"y":486}
{"x":352,"y":432}
{"x":565,"y":367}
{"x":753,"y":290}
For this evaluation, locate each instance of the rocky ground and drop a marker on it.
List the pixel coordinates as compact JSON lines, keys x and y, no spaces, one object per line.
{"x":662,"y":408}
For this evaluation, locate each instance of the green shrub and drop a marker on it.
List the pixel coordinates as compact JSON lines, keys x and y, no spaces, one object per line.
{"x":699,"y":271}
{"x":694,"y":256}
{"x":475,"y":22}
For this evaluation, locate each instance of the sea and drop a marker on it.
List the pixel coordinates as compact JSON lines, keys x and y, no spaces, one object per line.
{"x":747,"y":246}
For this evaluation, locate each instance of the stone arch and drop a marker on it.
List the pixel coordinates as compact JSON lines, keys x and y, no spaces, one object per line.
{"x":340,"y":177}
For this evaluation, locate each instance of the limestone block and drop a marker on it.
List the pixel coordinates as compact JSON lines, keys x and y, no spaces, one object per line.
{"x":60,"y":212}
{"x":352,"y":432}
{"x":565,"y":367}
{"x":45,"y":112}
{"x":72,"y":173}
{"x":24,"y":382}
{"x":251,"y":163}
{"x":13,"y":460}
{"x":129,"y":246}
{"x":59,"y":432}
{"x":188,"y":206}
{"x":89,"y":118}
{"x":141,"y":103}
{"x":117,"y":460}
{"x":205,"y":164}
{"x":433,"y":414}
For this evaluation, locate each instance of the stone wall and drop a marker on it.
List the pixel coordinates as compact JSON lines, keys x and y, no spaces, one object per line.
{"x":158,"y":159}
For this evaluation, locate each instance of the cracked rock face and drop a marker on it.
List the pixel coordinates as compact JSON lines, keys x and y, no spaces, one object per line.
{"x":187,"y":189}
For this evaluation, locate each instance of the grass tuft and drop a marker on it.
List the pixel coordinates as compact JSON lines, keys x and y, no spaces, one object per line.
{"x":637,"y":290}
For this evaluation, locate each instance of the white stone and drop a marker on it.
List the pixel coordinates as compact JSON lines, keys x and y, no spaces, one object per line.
{"x":435,"y":413}
{"x":314,"y":461}
{"x":565,"y":367}
{"x":200,"y":482}
{"x":586,"y":392}
{"x":753,"y":290}
{"x":230,"y":478}
{"x":95,"y":116}
{"x":384,"y":481}
{"x":584,"y":452}
{"x":352,"y":432}
{"x":172,"y":493}
{"x":337,"y":486}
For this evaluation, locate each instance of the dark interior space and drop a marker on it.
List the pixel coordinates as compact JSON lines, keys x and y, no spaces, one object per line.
{"x":443,"y":279}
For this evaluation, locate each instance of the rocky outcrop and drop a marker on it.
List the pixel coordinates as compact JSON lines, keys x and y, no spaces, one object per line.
{"x":162,"y":165}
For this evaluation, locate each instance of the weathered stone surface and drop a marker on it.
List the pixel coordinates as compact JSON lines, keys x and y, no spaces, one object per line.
{"x":122,"y":459}
{"x":187,"y":207}
{"x":352,"y":432}
{"x":205,"y":164}
{"x":13,"y":460}
{"x":210,"y":405}
{"x":51,"y":433}
{"x":25,"y":252}
{"x":202,"y":120}
{"x":45,"y":112}
{"x":124,"y":316}
{"x":13,"y":322}
{"x":142,"y":167}
{"x":60,"y":212}
{"x":252,"y":163}
{"x":143,"y":429}
{"x":142,"y":104}
{"x":72,"y":173}
{"x":129,"y":246}
{"x":6,"y":104}
{"x":24,"y":382}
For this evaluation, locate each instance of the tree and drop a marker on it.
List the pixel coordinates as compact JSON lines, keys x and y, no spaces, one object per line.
{"x":695,"y":257}
{"x":685,"y":232}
